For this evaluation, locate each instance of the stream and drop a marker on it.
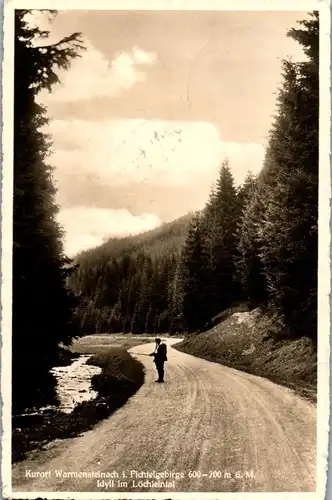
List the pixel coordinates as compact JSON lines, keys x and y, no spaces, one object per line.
{"x":74,"y":383}
{"x":73,"y":386}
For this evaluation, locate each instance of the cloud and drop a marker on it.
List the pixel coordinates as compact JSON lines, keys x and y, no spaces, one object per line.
{"x":115,"y":164}
{"x":120,"y":152}
{"x":88,"y":227}
{"x":93,"y":75}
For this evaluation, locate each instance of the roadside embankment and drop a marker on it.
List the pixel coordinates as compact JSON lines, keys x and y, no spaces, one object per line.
{"x":251,"y":341}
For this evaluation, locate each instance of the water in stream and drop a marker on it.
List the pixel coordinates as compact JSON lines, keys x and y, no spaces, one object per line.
{"x":74,"y":383}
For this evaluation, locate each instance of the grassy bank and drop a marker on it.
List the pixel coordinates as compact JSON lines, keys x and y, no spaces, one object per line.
{"x":251,"y":341}
{"x":121,"y":376}
{"x":96,"y":343}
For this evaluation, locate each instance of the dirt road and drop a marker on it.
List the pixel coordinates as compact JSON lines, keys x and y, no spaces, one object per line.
{"x":217,"y":428}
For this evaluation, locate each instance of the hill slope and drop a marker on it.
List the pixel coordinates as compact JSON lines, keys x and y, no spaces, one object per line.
{"x":246,"y":341}
{"x":124,"y":283}
{"x":167,"y":237}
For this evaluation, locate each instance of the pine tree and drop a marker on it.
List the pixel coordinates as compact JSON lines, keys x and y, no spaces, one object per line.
{"x":220,"y":220}
{"x":193,"y":279}
{"x":149,"y":320}
{"x":142,"y":301}
{"x":41,"y":302}
{"x":246,"y":190}
{"x":175,"y":300}
{"x":287,"y":232}
{"x":249,"y":265}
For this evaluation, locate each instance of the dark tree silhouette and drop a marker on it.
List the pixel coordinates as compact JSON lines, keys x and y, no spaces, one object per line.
{"x":278,"y":233}
{"x":42,"y":304}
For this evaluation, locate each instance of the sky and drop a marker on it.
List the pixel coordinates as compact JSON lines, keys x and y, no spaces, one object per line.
{"x":141,"y":123}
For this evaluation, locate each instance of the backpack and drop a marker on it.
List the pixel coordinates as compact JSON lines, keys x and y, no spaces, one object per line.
{"x":163,"y":352}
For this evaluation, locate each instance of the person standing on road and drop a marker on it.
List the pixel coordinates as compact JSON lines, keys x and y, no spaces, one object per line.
{"x":160,"y":356}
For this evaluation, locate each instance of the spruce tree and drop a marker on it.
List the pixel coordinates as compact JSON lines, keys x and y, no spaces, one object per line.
{"x":142,"y":300}
{"x":149,"y":320}
{"x":249,"y":266}
{"x":220,"y":222}
{"x":246,"y":191}
{"x":41,"y":302}
{"x":175,"y":300}
{"x":193,"y":279}
{"x":287,"y":232}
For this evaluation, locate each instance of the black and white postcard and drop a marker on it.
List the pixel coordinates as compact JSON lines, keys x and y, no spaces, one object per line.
{"x":165,"y":249}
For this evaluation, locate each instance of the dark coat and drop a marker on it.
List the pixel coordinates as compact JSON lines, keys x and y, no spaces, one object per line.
{"x":160,"y":355}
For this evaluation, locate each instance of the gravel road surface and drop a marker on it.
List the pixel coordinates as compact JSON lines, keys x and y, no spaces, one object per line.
{"x":211,"y":427}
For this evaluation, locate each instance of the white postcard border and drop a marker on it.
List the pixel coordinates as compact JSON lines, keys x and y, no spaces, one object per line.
{"x":324,"y":270}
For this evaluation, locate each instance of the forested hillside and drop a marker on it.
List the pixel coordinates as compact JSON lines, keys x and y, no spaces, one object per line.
{"x":256,"y":243}
{"x":124,"y":283}
{"x":165,"y":280}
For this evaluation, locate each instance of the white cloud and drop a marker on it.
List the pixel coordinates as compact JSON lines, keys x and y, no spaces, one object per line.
{"x":93,"y":75}
{"x":118,"y":153}
{"x":88,"y":227}
{"x":155,"y":152}
{"x":142,"y":57}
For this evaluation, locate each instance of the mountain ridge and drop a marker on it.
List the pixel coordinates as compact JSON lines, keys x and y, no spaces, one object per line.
{"x":114,"y":246}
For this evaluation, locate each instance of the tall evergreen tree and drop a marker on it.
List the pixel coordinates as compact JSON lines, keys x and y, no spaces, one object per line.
{"x":220,"y":220}
{"x":175,"y":300}
{"x":149,"y":320}
{"x":41,"y":302}
{"x":246,"y":191}
{"x":194,"y":285}
{"x":249,"y":265}
{"x":142,"y":302}
{"x":287,"y":232}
